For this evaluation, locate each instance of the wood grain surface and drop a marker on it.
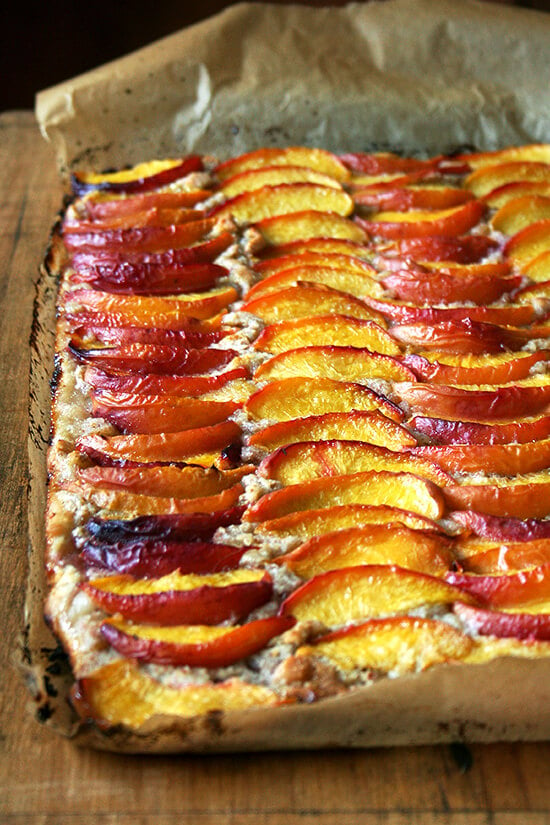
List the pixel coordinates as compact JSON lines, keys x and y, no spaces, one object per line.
{"x":45,"y":780}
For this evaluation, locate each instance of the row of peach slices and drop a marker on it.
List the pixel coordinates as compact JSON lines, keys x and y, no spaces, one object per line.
{"x":397,"y":409}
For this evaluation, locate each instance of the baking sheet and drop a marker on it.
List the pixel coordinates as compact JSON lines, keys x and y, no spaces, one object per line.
{"x":403,"y":74}
{"x":411,"y":75}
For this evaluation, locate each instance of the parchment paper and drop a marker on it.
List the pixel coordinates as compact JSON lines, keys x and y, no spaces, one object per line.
{"x":410,"y":75}
{"x":413,"y":75}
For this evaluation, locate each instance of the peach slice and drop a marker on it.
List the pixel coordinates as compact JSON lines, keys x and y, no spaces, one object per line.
{"x":177,"y":482}
{"x":465,"y":249}
{"x":526,"y":587}
{"x":351,"y":594}
{"x":506,"y":557}
{"x":444,"y":431}
{"x":372,"y":427}
{"x":182,"y":599}
{"x":139,"y":239}
{"x":398,"y":645}
{"x":310,"y":223}
{"x":121,"y":694}
{"x":151,"y":384}
{"x":534,"y":152}
{"x":175,"y":527}
{"x":539,"y":268}
{"x":154,"y":216}
{"x":319,"y":245}
{"x":523,"y":496}
{"x":388,"y":196}
{"x":504,"y":625}
{"x":401,"y":313}
{"x":195,"y":646}
{"x":299,"y":397}
{"x":486,"y":178}
{"x":326,"y":330}
{"x":393,"y":489}
{"x":130,"y":505}
{"x":318,"y":159}
{"x":450,"y":287}
{"x":347,"y":280}
{"x":253,"y":179}
{"x":284,"y":199}
{"x":383,"y":163}
{"x":420,"y":550}
{"x":158,"y":280}
{"x":337,"y":363}
{"x":498,"y":528}
{"x":528,"y":243}
{"x":499,"y":459}
{"x":151,"y":358}
{"x":487,"y":368}
{"x":154,"y":557}
{"x":466,"y":336}
{"x":306,"y":300}
{"x":420,"y":223}
{"x":137,"y":310}
{"x":187,"y":445}
{"x":521,"y":212}
{"x":478,"y":402}
{"x":310,"y":257}
{"x":100,"y":205}
{"x":140,"y":178}
{"x":306,"y":460}
{"x":518,"y":189}
{"x":310,"y":523}
{"x":195,"y":334}
{"x":188,"y":413}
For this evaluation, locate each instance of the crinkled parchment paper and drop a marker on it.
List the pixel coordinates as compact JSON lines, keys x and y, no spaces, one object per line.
{"x":412,"y":75}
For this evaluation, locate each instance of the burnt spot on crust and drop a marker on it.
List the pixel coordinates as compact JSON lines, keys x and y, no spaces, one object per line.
{"x":308,"y":679}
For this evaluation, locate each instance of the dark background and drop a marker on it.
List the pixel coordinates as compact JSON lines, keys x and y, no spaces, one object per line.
{"x":44,"y":45}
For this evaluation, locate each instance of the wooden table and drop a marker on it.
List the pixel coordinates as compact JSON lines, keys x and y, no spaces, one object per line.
{"x":45,"y":780}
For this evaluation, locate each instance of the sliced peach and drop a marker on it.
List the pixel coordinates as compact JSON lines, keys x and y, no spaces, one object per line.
{"x":298,"y":397}
{"x":486,"y":178}
{"x":528,"y":243}
{"x":304,"y":461}
{"x":140,"y":239}
{"x":176,"y":482}
{"x":121,"y":694}
{"x":306,"y":300}
{"x":367,"y":591}
{"x":151,"y":384}
{"x":347,"y":280}
{"x":100,"y":205}
{"x":508,"y":557}
{"x":398,"y":645}
{"x":486,"y":368}
{"x":534,"y":152}
{"x":466,"y":336}
{"x":499,"y":459}
{"x":401,"y":313}
{"x":388,"y":196}
{"x":499,"y":528}
{"x":400,"y":489}
{"x":539,"y":268}
{"x":318,"y":159}
{"x":444,"y":287}
{"x":420,"y":223}
{"x":164,"y":313}
{"x":478,"y":402}
{"x":150,"y":280}
{"x":151,"y":358}
{"x":140,"y":178}
{"x":527,"y":587}
{"x":284,"y":199}
{"x":536,"y":293}
{"x":504,"y":625}
{"x":445,"y":431}
{"x":130,"y":505}
{"x":521,"y":212}
{"x":310,"y":257}
{"x":195,"y":646}
{"x":382,"y":163}
{"x":179,"y":446}
{"x":189,"y":413}
{"x":309,"y":523}
{"x":253,"y":179}
{"x":182,"y":599}
{"x":524,"y":496}
{"x":320,"y":245}
{"x":372,"y":427}
{"x":337,"y":363}
{"x":154,"y":216}
{"x":176,"y":527}
{"x":419,"y":550}
{"x":326,"y":330}
{"x":464,"y":249}
{"x":195,"y":335}
{"x":310,"y":223}
{"x":518,"y":189}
